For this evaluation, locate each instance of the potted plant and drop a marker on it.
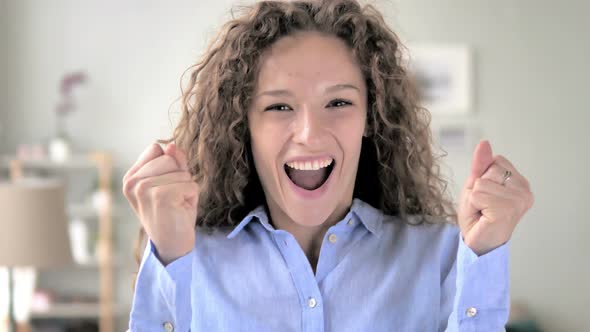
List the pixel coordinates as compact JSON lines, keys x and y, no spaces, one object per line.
{"x":60,"y":144}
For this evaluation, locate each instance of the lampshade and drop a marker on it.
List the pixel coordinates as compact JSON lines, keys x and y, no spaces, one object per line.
{"x":33,"y":224}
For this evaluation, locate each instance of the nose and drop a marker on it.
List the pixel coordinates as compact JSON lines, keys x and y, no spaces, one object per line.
{"x":308,"y":126}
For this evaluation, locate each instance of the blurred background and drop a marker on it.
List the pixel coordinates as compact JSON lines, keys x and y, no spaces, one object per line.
{"x":85,"y":86}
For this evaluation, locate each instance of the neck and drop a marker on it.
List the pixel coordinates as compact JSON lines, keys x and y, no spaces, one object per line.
{"x":308,"y":237}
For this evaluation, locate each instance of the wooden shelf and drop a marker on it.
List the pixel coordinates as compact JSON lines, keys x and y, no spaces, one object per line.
{"x":73,"y":311}
{"x":86,"y":210}
{"x":75,"y":161}
{"x":94,"y":263}
{"x":102,"y":163}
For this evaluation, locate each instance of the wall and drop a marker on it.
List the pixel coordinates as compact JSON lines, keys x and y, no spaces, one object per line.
{"x":3,"y":69}
{"x":134,"y":53}
{"x":530,"y":79}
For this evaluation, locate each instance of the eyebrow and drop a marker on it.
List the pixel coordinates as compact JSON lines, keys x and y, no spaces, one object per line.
{"x":285,"y":92}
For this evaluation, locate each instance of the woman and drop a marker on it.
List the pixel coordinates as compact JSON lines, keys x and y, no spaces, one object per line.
{"x":299,"y":191}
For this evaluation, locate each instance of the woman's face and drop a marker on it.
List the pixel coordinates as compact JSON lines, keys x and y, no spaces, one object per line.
{"x":306,"y":124}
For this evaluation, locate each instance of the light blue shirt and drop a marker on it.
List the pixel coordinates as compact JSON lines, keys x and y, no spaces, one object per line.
{"x":374,"y":273}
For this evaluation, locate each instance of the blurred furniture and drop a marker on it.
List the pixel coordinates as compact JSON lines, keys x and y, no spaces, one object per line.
{"x":100,"y":163}
{"x":520,"y":319}
{"x":523,"y":326}
{"x":34,"y":235}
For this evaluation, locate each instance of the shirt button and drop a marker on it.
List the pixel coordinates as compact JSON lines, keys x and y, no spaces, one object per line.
{"x":471,"y":312}
{"x":168,"y":327}
{"x":350,"y":222}
{"x":312,"y":302}
{"x":332,"y":238}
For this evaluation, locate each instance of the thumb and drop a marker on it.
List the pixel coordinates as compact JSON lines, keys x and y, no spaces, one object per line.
{"x":173,"y":151}
{"x":482,"y":160}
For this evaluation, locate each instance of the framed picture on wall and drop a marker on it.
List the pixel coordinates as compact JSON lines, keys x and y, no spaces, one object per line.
{"x":444,"y":77}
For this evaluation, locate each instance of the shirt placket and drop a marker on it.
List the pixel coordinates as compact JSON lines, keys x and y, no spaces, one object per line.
{"x":306,"y":283}
{"x":310,"y":297}
{"x":334,"y":245}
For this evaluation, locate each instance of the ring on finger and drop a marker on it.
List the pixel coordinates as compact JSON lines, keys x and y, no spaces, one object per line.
{"x":506,"y":176}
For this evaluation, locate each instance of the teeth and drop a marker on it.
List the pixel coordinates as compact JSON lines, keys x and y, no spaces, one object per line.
{"x":310,"y":166}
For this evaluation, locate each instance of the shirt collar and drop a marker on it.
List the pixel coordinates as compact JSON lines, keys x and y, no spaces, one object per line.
{"x":369,"y":216}
{"x":258,"y":213}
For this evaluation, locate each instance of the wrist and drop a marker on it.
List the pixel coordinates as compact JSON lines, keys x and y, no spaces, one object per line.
{"x":167,"y":256}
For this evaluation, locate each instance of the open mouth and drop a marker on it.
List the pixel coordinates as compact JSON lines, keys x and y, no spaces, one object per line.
{"x":309,"y":175}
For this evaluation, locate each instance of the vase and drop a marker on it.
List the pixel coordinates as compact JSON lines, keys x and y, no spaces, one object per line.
{"x":59,"y":149}
{"x":60,"y":145}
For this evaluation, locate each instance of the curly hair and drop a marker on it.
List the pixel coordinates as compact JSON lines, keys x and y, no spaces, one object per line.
{"x":398,"y":170}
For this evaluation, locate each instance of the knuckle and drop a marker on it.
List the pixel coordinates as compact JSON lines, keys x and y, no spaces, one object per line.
{"x":475,"y":196}
{"x":479,"y":195}
{"x":158,"y":194}
{"x":522,"y":204}
{"x":142,"y":188}
{"x":168,"y":159}
{"x":127,"y":188}
{"x":498,"y":171}
{"x":150,"y":148}
{"x":479,"y":185}
{"x":487,"y":174}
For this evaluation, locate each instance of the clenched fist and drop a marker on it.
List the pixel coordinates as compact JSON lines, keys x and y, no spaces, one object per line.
{"x":493,"y":200}
{"x":164,"y":197}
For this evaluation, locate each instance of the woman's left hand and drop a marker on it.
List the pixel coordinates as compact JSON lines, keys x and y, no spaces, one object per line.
{"x":494,"y":199}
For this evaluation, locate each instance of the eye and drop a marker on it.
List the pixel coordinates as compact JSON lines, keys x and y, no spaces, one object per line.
{"x":338,"y":103}
{"x":278,"y":107}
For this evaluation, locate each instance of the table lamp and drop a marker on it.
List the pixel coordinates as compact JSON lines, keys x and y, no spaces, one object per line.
{"x":33,"y":234}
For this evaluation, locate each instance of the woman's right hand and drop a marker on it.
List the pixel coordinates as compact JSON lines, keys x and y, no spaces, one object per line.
{"x":164,"y":197}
